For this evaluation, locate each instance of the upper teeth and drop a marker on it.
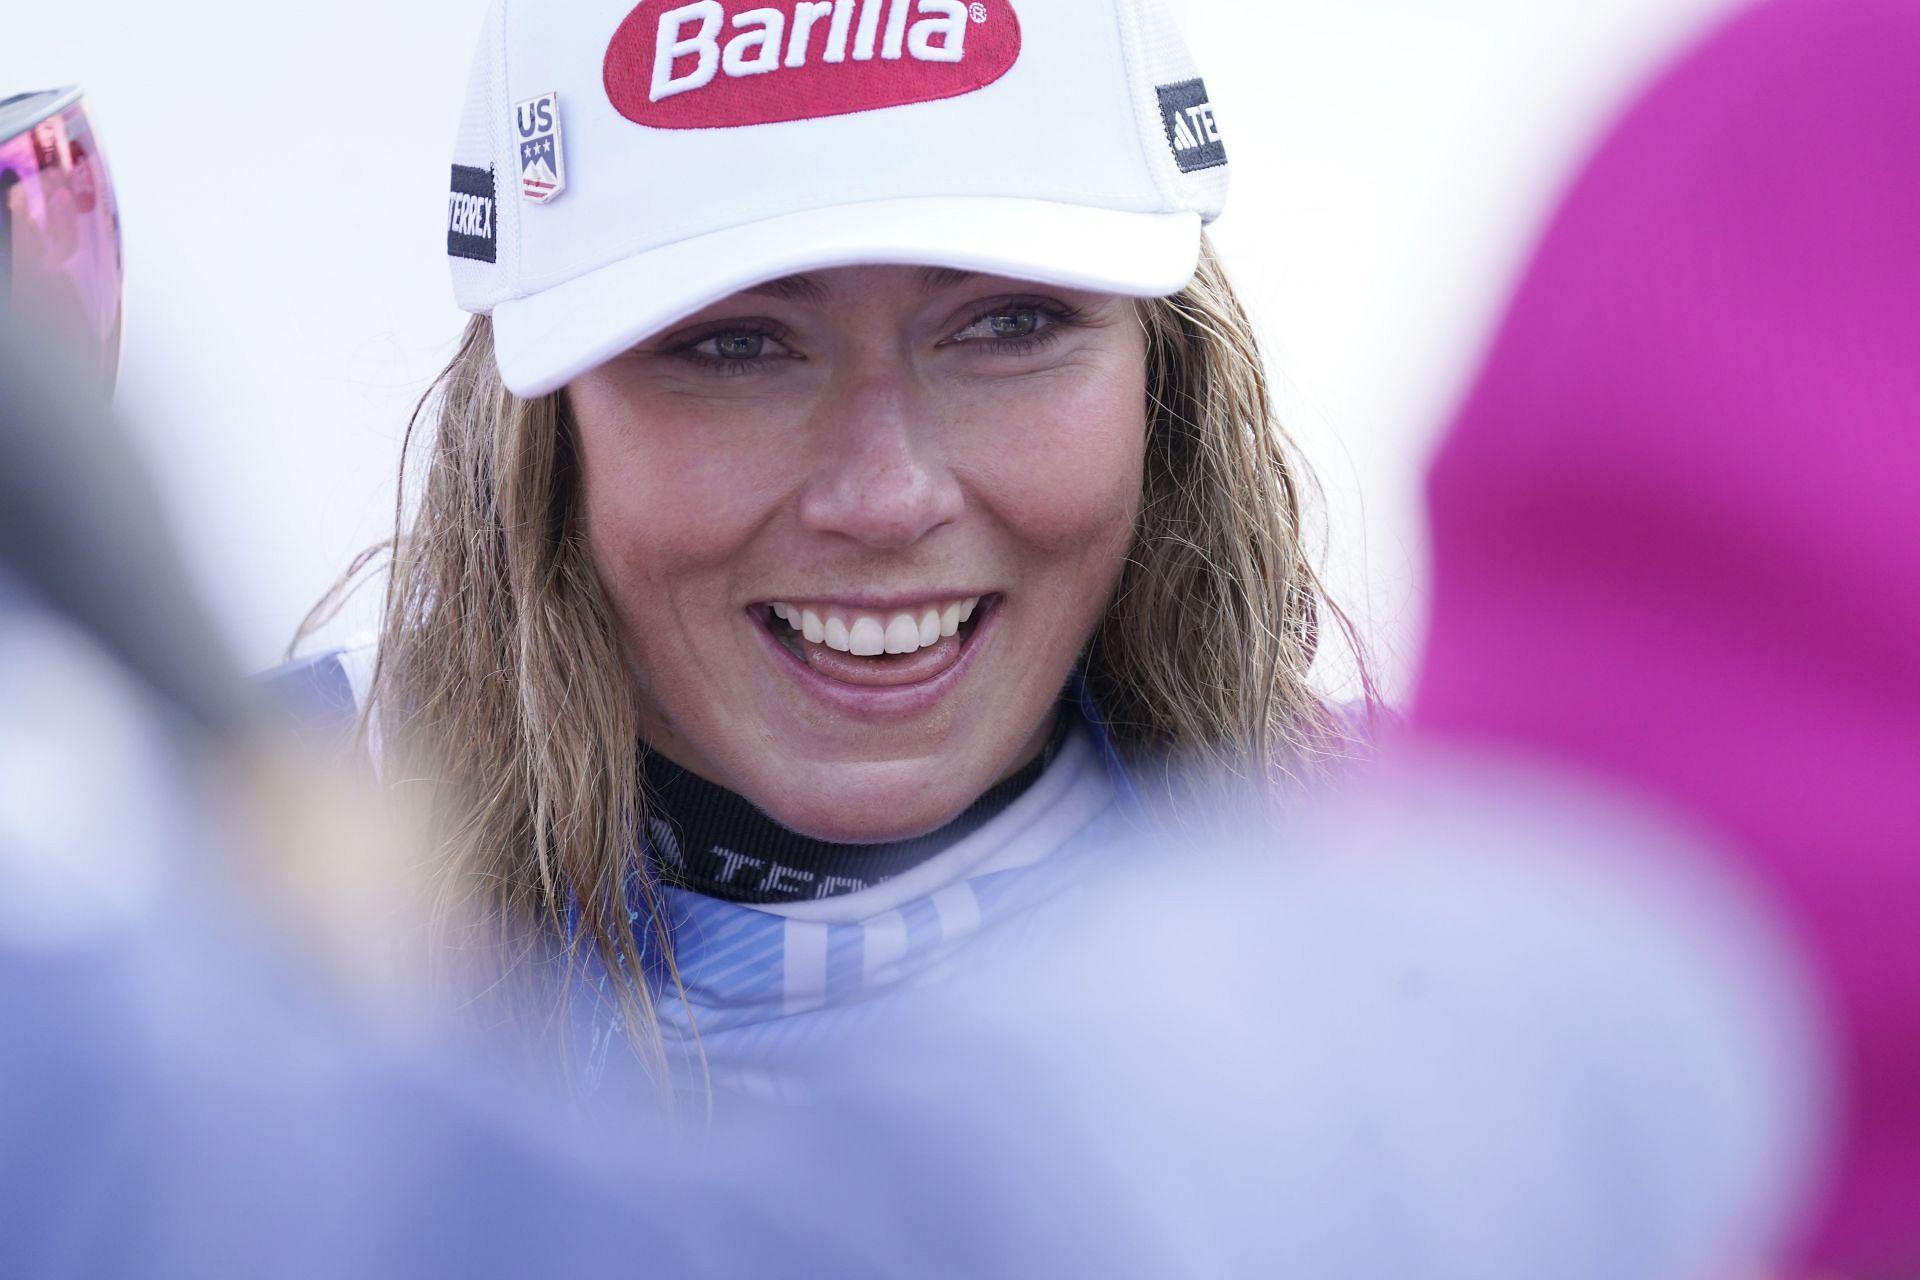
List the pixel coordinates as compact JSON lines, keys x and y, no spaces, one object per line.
{"x":869,"y":634}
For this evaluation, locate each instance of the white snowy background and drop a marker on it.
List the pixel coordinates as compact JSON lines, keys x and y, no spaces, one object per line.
{"x":282,"y":177}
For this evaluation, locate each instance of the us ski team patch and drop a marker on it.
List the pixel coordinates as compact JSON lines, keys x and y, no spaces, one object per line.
{"x":1192,"y":131}
{"x":543,"y":161}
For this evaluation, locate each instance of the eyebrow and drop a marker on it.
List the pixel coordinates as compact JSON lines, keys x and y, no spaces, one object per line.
{"x":802,"y":288}
{"x":934,"y":279}
{"x":809,"y":288}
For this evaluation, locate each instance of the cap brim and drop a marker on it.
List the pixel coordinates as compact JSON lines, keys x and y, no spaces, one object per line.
{"x":544,"y":341}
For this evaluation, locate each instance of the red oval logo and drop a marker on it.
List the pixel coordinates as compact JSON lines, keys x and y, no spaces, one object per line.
{"x":717,"y":64}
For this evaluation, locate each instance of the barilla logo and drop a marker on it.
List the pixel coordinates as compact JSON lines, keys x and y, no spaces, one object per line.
{"x":716,"y":64}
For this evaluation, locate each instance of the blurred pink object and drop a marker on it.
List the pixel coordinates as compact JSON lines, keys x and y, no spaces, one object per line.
{"x":1677,"y":523}
{"x":60,"y":262}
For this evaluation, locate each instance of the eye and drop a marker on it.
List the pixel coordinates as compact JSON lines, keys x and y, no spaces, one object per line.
{"x":1005,"y":324}
{"x":735,"y":347}
{"x":1016,"y":326}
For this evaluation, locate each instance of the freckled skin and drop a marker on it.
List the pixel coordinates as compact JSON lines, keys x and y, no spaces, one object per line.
{"x":885,"y":439}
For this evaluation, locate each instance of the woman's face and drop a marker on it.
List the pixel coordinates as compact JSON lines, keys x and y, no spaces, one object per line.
{"x":875,"y":453}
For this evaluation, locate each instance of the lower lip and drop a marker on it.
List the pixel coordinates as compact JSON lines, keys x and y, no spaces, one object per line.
{"x":883,"y":701}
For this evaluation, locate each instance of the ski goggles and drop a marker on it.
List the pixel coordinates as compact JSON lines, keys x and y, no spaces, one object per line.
{"x":60,"y":269}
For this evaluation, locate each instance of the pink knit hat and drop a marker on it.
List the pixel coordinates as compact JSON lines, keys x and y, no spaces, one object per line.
{"x":1677,"y":524}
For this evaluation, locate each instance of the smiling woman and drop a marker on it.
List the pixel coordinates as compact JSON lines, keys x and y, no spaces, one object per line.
{"x":785,"y":497}
{"x":834,"y":518}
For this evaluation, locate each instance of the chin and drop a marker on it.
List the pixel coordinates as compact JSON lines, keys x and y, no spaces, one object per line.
{"x":863,"y":814}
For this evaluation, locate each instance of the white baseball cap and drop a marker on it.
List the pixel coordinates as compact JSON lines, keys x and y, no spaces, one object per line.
{"x":621,"y":166}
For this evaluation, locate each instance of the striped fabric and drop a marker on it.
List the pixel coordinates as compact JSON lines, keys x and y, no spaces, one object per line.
{"x":765,"y":984}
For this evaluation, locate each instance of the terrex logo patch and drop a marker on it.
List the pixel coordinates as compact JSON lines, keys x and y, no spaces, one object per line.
{"x":470,"y":213}
{"x":715,"y":64}
{"x":1191,"y":131}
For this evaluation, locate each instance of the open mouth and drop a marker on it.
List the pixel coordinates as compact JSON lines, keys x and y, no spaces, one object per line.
{"x":877,"y":648}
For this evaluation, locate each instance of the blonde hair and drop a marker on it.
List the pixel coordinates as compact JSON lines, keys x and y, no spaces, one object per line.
{"x":503,"y":690}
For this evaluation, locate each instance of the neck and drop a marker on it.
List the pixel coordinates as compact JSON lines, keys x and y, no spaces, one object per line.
{"x":706,"y":838}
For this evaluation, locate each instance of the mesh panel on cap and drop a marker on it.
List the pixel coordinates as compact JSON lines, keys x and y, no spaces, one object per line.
{"x":478,"y":286}
{"x":1157,"y":55}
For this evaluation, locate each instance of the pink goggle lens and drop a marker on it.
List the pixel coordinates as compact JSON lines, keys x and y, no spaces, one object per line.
{"x":60,"y":267}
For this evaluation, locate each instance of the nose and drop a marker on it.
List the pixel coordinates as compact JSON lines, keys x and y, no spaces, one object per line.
{"x":881,"y":474}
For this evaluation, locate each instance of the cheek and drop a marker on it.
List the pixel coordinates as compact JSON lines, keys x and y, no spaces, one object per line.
{"x":1064,"y":467}
{"x":661,"y":496}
